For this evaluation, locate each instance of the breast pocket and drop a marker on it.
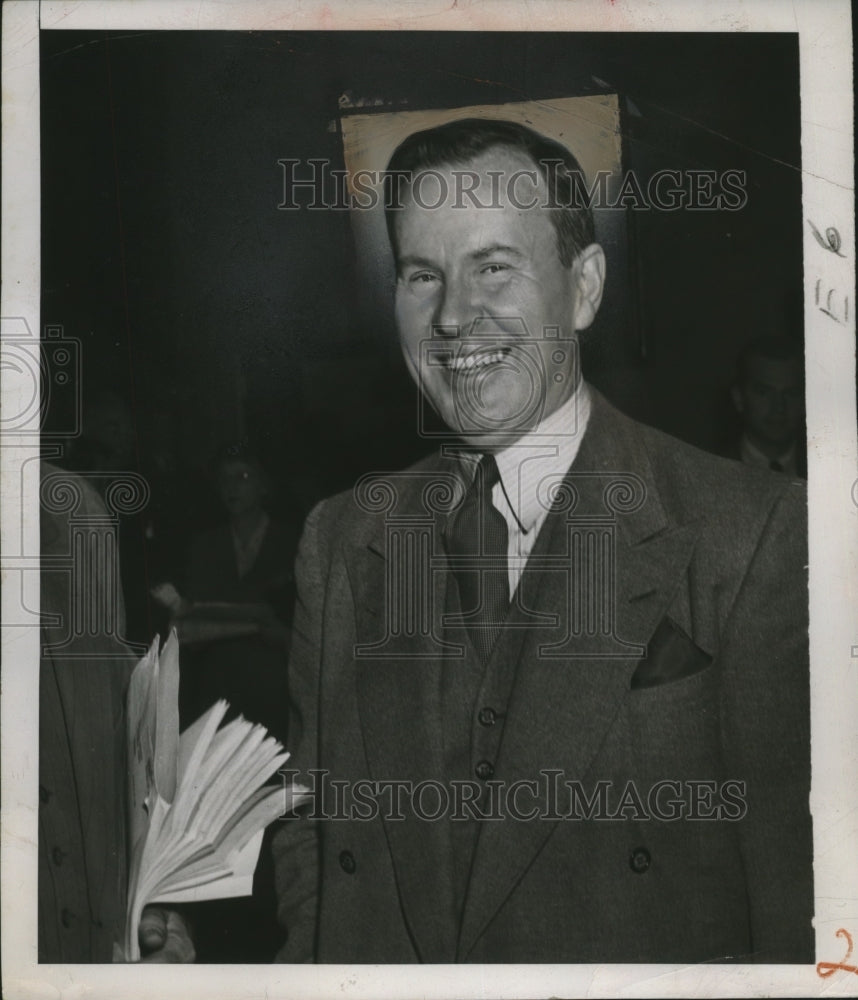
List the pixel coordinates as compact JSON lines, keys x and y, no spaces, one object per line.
{"x":671,"y":657}
{"x":673,"y":709}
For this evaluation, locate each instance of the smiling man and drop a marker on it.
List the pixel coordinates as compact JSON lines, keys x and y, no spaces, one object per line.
{"x":501,"y":288}
{"x":552,"y":682}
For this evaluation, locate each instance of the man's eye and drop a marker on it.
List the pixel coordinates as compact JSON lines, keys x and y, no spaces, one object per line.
{"x":494,"y":268}
{"x":422,"y":278}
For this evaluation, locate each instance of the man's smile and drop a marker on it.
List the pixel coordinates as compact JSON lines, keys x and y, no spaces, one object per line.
{"x":478,"y":360}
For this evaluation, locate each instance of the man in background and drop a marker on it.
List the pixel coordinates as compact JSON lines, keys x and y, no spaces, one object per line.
{"x":84,"y":672}
{"x":769,"y":398}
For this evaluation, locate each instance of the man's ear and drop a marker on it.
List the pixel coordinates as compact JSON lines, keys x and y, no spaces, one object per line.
{"x":589,"y":276}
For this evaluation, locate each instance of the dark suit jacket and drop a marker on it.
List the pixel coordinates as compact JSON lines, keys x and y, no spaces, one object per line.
{"x":212,"y":574}
{"x":82,"y":772}
{"x":709,"y":580}
{"x":733,"y":449}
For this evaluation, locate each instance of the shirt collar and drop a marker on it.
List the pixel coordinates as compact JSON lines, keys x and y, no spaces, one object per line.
{"x":752,"y":455}
{"x":542,"y":456}
{"x":246,"y":552}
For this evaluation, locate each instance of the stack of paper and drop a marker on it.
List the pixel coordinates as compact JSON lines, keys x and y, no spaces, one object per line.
{"x":198,"y":803}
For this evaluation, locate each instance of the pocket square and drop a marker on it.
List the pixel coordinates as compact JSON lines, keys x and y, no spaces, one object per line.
{"x":670,"y":656}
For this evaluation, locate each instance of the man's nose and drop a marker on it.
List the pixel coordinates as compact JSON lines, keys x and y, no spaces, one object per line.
{"x":456,"y":310}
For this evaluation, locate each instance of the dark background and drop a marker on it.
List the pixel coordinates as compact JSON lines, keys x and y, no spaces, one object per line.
{"x":218,"y":316}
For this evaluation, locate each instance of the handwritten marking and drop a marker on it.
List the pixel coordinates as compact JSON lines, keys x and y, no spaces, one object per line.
{"x":830,"y":241}
{"x":826,"y":969}
{"x":829,"y":306}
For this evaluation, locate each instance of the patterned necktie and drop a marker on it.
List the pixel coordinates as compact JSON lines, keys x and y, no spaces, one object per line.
{"x":477,"y":542}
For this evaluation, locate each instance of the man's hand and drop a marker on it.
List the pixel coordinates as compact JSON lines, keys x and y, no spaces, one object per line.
{"x":165,"y":937}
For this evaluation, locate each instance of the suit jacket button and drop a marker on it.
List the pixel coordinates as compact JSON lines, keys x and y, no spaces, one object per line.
{"x":57,"y":856}
{"x":639,"y":860}
{"x":347,"y":862}
{"x":484,"y":770}
{"x":487,"y":716}
{"x":66,"y":916}
{"x":44,"y":794}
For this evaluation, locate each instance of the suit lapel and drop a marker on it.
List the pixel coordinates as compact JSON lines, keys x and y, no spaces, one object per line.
{"x":563,"y":701}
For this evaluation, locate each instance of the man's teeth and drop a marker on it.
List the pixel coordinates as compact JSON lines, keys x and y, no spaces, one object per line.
{"x":480,"y":360}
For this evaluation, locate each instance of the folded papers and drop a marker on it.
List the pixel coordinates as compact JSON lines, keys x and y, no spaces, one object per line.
{"x":198,"y":802}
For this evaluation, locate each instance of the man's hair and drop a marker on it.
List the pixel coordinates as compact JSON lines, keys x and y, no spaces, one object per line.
{"x":239,"y":451}
{"x":771,"y":347}
{"x":457,"y":143}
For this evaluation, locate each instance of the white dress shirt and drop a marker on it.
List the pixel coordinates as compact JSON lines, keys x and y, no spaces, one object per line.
{"x":529,"y":468}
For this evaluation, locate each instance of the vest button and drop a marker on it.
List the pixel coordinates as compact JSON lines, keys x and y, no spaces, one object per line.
{"x":347,"y":862}
{"x":487,"y":716}
{"x":57,"y":856}
{"x":484,"y":770}
{"x":639,"y":860}
{"x":44,"y":794}
{"x":66,"y":916}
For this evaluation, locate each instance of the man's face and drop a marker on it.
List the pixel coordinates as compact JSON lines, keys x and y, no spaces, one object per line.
{"x":486,"y":311}
{"x":240,"y":488}
{"x":771,"y":401}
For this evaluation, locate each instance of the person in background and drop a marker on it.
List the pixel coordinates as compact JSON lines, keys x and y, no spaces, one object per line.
{"x":83,"y":677}
{"x":233,"y":620}
{"x":769,"y":398}
{"x":245,"y":562}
